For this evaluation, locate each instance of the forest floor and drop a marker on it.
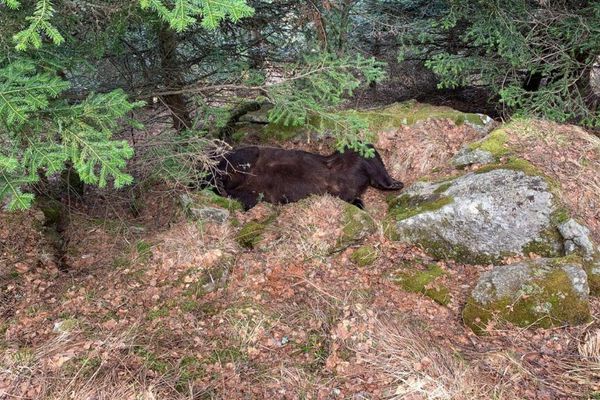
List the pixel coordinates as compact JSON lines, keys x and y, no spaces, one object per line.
{"x":157,"y":306}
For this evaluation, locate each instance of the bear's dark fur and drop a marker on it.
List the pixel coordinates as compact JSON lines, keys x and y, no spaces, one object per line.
{"x":251,"y":174}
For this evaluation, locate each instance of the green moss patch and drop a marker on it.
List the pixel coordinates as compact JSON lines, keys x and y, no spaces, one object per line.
{"x":423,"y":282}
{"x":357,"y":224}
{"x":495,"y":143}
{"x":209,"y":198}
{"x":406,"y":206}
{"x":514,"y":164}
{"x":158,"y":313}
{"x":443,"y":187}
{"x":389,"y":117}
{"x":544,"y":302}
{"x":281,"y":132}
{"x":591,"y":267}
{"x":411,"y":112}
{"x":190,"y":368}
{"x":593,"y":273}
{"x":442,"y":250}
{"x":547,"y":245}
{"x":151,"y":360}
{"x":364,"y":256}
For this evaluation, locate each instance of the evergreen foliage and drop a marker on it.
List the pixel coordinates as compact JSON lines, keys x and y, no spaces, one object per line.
{"x":67,"y":70}
{"x":39,"y":24}
{"x":312,"y":94}
{"x":41,"y":131}
{"x":537,"y":56}
{"x":180,"y":14}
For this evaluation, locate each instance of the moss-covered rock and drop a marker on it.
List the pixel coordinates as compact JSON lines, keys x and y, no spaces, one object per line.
{"x":424,"y":282}
{"x":208,"y":206}
{"x":479,"y":218}
{"x":593,"y":271}
{"x":411,"y":112}
{"x":485,"y":151}
{"x":364,"y":256}
{"x":406,"y":206}
{"x":356,"y":225}
{"x":540,"y":293}
{"x":495,"y":144}
{"x":577,"y":238}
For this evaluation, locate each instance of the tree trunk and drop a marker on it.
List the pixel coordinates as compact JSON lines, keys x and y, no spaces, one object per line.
{"x":173,"y":79}
{"x":257,"y":49}
{"x":342,"y":39}
{"x":320,"y":27}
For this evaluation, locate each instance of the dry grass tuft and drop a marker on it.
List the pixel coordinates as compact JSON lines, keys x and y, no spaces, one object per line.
{"x":307,"y":229}
{"x":193,"y":245}
{"x":589,"y":349}
{"x":297,"y":383}
{"x":406,"y":354}
{"x":424,"y":149}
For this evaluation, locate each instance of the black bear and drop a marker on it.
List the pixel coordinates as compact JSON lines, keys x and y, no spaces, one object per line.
{"x":279,"y":176}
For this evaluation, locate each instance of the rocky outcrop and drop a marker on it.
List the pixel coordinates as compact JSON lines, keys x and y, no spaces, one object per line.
{"x":480,"y":217}
{"x":543,"y":292}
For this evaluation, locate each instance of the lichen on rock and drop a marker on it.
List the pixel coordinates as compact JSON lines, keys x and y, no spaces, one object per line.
{"x":478,"y":218}
{"x":467,"y":156}
{"x":543,"y":293}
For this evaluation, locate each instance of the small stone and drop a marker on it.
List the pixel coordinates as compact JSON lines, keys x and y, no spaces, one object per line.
{"x":467,"y":156}
{"x":21,"y":267}
{"x":218,"y":215}
{"x":576,"y":237}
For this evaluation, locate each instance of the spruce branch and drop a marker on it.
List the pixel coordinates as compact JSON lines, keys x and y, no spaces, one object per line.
{"x":39,"y":24}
